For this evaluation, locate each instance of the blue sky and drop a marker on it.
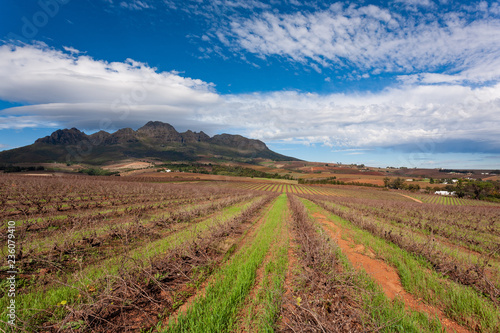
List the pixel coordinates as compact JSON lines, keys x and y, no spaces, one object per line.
{"x":412,"y":83}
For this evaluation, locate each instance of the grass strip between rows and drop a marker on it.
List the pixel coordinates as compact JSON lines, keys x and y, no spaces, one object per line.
{"x":262,"y":310}
{"x":216,"y":310}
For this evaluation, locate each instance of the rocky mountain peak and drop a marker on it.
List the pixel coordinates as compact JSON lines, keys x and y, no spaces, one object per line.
{"x":191,"y":137}
{"x":64,"y":136}
{"x":161,"y":131}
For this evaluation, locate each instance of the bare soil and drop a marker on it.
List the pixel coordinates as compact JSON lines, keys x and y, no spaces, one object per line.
{"x":127,"y":165}
{"x":407,"y":196}
{"x":386,"y":276}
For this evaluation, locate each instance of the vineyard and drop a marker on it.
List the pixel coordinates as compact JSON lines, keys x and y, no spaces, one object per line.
{"x":450,"y":200}
{"x":125,"y":254}
{"x":345,"y":191}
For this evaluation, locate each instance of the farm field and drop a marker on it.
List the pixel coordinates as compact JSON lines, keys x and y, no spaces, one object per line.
{"x":450,"y":200}
{"x":130,"y":254}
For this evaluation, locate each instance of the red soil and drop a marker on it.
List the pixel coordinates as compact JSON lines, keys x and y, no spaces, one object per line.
{"x":385,"y":275}
{"x":407,"y":196}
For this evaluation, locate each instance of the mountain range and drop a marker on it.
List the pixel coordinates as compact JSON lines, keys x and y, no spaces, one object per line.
{"x":155,"y":140}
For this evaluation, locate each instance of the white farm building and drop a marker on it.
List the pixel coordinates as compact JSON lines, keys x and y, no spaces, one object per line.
{"x":444,"y":193}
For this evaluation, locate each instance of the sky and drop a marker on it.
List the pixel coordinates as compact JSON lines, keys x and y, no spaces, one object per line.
{"x":413,"y":83}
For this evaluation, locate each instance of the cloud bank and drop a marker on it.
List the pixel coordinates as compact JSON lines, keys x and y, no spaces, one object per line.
{"x":67,"y":89}
{"x":77,"y":90}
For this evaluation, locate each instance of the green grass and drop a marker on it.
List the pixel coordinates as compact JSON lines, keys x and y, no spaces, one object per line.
{"x":460,"y":303}
{"x":269,"y":300}
{"x":216,"y":310}
{"x":263,"y":309}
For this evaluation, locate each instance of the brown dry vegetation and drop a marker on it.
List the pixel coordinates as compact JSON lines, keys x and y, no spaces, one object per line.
{"x":138,"y":298}
{"x":469,"y":227}
{"x":123,"y":254}
{"x":320,"y":297}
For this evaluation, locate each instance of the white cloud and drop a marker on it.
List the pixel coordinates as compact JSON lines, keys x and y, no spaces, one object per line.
{"x":416,"y":3}
{"x":71,"y":49}
{"x":136,"y":5}
{"x":393,"y":117}
{"x":13,"y":122}
{"x":248,"y":4}
{"x":64,"y":87}
{"x":375,"y":40}
{"x":485,"y":70}
{"x":67,"y":90}
{"x":37,"y":74}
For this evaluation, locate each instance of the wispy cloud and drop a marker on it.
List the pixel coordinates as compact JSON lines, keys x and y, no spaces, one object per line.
{"x":414,"y":4}
{"x":136,"y":5}
{"x":26,"y":121}
{"x":430,"y":41}
{"x":351,"y":150}
{"x":71,"y":50}
{"x":372,"y":39}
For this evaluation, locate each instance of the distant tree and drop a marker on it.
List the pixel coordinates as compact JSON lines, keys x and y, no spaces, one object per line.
{"x":398,"y":183}
{"x":412,"y":187}
{"x":460,"y":188}
{"x":479,"y":189}
{"x":450,"y":188}
{"x":387,"y":181}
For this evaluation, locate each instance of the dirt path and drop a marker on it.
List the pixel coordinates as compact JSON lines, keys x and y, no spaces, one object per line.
{"x":386,"y":276}
{"x":407,"y":196}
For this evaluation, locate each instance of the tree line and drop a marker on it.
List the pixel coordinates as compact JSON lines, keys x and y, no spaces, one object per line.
{"x":463,"y":188}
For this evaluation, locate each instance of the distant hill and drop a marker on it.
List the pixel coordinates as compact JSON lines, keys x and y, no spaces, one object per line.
{"x":155,"y":140}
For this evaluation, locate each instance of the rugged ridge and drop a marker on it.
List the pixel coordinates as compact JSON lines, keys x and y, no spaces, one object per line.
{"x":238,"y":141}
{"x":155,"y":130}
{"x":160,"y":131}
{"x":64,"y":137}
{"x":155,"y":139}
